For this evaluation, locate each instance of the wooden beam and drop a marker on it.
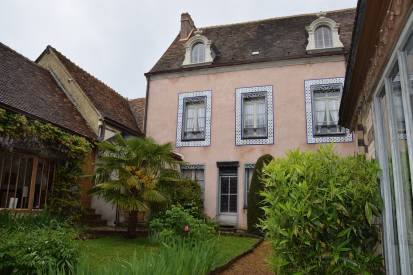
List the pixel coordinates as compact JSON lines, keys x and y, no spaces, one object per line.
{"x":33,"y":182}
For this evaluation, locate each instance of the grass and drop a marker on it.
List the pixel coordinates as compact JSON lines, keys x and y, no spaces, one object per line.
{"x":107,"y":250}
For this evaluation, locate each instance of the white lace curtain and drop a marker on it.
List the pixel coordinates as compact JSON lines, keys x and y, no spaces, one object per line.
{"x":254,"y":113}
{"x":195,"y":117}
{"x":327,"y":111}
{"x":323,"y":38}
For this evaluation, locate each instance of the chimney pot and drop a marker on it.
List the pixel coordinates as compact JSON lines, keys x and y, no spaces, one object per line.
{"x":187,"y":26}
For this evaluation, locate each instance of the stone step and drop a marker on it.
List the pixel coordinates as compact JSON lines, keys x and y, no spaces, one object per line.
{"x":92,"y":216}
{"x":110,"y":230}
{"x":95,"y":223}
{"x":227,"y":229}
{"x":89,"y":211}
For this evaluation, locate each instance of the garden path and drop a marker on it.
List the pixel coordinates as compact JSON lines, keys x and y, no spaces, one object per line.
{"x":252,"y":263}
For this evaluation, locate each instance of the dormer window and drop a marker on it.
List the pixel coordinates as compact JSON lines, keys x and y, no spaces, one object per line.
{"x":323,"y":35}
{"x":198,"y":50}
{"x":198,"y":53}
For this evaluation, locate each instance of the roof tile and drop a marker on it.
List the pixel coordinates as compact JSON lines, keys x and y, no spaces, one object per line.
{"x":275,"y":39}
{"x":27,"y":87}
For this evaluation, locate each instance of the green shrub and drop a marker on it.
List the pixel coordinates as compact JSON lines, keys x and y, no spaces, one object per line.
{"x":171,"y":225}
{"x":255,"y":212}
{"x":319,"y":213}
{"x":33,"y":243}
{"x":19,"y":222}
{"x":178,"y":190}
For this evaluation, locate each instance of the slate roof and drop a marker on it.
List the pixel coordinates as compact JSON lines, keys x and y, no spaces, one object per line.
{"x":30,"y":89}
{"x":138,"y":109}
{"x":276,"y":39}
{"x":108,"y":102}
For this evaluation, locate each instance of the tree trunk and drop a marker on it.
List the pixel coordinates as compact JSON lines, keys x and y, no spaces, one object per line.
{"x":132,"y":224}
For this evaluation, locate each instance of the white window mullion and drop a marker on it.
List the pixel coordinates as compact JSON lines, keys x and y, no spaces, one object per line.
{"x":398,"y":184}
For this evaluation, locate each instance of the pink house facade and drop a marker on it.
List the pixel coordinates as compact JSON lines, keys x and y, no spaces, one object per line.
{"x":226,"y":95}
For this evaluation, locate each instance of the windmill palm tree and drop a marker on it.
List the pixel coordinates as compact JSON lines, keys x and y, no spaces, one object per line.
{"x":127,"y":174}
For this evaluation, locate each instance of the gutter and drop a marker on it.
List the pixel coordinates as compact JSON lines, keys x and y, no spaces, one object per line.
{"x":148,"y":81}
{"x":358,"y":26}
{"x":262,"y":60}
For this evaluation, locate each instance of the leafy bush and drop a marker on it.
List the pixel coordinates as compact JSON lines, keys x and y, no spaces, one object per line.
{"x":65,"y":202}
{"x":255,"y":212}
{"x":172,"y":223}
{"x":19,"y":222}
{"x":179,"y":190}
{"x":33,"y":243}
{"x":319,"y":213}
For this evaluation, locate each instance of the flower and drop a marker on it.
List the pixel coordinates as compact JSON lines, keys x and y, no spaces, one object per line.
{"x":186,"y":228}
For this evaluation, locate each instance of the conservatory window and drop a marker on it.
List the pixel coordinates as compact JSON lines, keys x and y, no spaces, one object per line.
{"x":25,"y":181}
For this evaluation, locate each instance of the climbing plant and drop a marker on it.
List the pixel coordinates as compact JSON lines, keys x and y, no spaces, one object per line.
{"x":65,"y":201}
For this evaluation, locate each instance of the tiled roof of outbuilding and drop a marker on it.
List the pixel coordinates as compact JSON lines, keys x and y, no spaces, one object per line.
{"x":108,"y":102}
{"x":30,"y":89}
{"x":138,"y":109}
{"x":275,"y":39}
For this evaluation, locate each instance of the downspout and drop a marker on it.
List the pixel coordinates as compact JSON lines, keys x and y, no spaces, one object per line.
{"x":148,"y":79}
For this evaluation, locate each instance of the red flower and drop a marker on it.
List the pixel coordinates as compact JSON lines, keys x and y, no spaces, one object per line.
{"x":186,"y":228}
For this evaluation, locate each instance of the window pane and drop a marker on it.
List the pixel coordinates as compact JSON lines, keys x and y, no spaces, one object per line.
{"x":323,"y":37}
{"x":187,"y":173}
{"x":224,"y":203}
{"x":386,"y":131}
{"x":409,"y":60}
{"x":233,"y":203}
{"x":15,"y":176}
{"x":326,"y":107}
{"x":224,"y":185}
{"x":403,"y":154}
{"x":254,"y":117}
{"x":248,"y":177}
{"x":198,"y":53}
{"x":194,"y":120}
{"x":234,"y":185}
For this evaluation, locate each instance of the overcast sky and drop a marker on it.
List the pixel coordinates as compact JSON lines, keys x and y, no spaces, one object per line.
{"x":119,"y":40}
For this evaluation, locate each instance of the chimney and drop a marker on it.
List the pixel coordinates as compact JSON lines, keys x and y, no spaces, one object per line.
{"x":187,"y":26}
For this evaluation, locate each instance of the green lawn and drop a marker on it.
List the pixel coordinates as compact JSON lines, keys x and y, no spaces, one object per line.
{"x":103,"y":251}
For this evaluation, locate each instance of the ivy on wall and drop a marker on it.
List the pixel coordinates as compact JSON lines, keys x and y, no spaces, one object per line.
{"x":65,"y":200}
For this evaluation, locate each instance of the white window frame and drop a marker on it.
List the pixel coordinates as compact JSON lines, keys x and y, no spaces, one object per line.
{"x":322,"y":20}
{"x":312,"y":138}
{"x":240,"y":93}
{"x":180,"y":142}
{"x":209,"y":53}
{"x":190,"y":101}
{"x":398,"y":56}
{"x":249,"y":168}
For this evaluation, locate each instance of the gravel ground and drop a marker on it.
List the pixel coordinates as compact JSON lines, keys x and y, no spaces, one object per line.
{"x":252,"y":263}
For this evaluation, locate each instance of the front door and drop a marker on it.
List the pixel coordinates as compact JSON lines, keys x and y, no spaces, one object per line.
{"x":228,"y":199}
